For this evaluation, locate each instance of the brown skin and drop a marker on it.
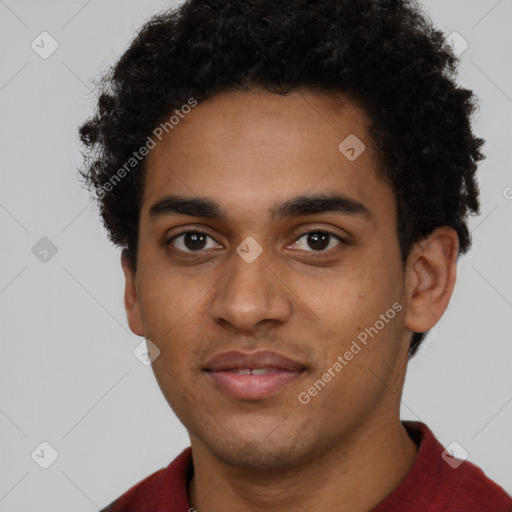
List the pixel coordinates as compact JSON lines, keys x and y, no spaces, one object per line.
{"x":346,"y":450}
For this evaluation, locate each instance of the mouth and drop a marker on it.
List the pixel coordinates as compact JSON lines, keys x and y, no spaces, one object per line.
{"x":252,"y":376}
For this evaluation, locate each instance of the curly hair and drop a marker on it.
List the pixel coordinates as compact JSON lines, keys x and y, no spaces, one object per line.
{"x":386,"y":55}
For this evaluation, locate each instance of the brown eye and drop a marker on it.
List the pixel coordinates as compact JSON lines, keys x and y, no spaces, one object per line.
{"x":318,"y":241}
{"x":191,"y":241}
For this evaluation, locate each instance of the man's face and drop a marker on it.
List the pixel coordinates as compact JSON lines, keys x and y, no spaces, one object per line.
{"x":306,"y":296}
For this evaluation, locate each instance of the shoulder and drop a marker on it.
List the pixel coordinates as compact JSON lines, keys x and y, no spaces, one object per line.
{"x":473,"y":489}
{"x":138,"y":497}
{"x":439,"y":482}
{"x":457,"y":484}
{"x":167,"y":487}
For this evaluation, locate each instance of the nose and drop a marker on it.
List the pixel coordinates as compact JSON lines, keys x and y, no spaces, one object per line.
{"x":251,"y":294}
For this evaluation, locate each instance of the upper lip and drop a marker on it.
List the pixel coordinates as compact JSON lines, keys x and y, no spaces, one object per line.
{"x":262,"y":359}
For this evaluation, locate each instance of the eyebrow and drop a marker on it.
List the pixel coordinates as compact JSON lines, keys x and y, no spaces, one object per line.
{"x":296,"y":207}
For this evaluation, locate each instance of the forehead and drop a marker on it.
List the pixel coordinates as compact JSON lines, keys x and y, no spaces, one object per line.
{"x":249,"y":149}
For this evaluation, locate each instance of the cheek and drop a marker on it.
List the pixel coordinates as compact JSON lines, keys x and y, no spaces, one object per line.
{"x":168,"y":309}
{"x":362,"y":306}
{"x":166,"y":296}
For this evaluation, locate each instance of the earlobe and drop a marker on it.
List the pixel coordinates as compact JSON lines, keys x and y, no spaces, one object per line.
{"x":430,"y":280}
{"x":131,"y":300}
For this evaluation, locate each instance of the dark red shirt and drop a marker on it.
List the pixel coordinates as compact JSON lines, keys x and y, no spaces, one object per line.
{"x":432,"y":485}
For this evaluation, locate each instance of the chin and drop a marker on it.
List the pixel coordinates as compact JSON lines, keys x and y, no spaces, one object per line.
{"x":263,"y":449}
{"x":261,"y":456}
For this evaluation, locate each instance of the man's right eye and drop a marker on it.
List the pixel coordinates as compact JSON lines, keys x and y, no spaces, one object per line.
{"x":191,"y":240}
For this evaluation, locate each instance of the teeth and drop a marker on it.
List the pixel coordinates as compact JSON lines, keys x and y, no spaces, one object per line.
{"x":254,"y":371}
{"x":261,"y":371}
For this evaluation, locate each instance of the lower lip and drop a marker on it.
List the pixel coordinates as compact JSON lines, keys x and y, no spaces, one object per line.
{"x":253,"y":387}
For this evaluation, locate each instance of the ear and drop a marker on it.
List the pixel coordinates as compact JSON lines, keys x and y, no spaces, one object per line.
{"x":430,"y":278}
{"x":131,"y":301}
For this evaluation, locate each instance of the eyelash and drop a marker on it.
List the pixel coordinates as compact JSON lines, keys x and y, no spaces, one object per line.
{"x":316,"y":253}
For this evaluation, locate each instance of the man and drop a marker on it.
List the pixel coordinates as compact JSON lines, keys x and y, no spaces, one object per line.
{"x":290,"y":183}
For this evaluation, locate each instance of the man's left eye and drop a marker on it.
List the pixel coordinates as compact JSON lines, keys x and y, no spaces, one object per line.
{"x":319,"y":241}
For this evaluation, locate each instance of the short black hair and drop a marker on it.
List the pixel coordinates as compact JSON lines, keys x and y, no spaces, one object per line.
{"x":386,"y":55}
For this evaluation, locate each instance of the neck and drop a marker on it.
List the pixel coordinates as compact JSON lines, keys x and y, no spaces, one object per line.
{"x":355,"y":475}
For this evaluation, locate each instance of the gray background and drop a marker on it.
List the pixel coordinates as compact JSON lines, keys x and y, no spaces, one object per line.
{"x":68,"y":373}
